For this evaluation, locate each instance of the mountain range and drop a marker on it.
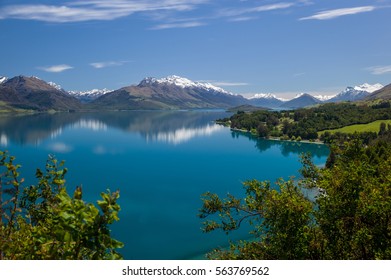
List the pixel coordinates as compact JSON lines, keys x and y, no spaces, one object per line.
{"x":172,"y":92}
{"x":304,"y":99}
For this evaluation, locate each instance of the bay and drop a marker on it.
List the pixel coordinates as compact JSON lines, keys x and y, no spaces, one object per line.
{"x":161,"y":161}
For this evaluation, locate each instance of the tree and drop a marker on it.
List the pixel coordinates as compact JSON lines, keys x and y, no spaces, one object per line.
{"x":44,"y":222}
{"x":383,"y":128}
{"x":350,"y":217}
{"x":262,"y":130}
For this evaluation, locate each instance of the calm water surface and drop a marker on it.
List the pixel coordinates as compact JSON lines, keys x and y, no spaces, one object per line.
{"x":160,"y":161}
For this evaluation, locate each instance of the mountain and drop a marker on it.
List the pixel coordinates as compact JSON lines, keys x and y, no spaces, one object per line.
{"x":90,"y":95}
{"x":383,"y":93}
{"x":356,"y":93}
{"x":35,"y":94}
{"x":301,"y":100}
{"x":172,"y":92}
{"x":267,"y":100}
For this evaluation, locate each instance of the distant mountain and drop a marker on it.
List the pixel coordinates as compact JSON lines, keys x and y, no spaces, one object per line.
{"x":267,"y":100}
{"x":172,"y":92}
{"x":90,"y":95}
{"x":35,"y":94}
{"x":383,"y":93}
{"x":301,"y":100}
{"x":355,"y":93}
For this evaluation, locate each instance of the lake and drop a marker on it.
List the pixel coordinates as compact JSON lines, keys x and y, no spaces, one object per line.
{"x":161,"y":161}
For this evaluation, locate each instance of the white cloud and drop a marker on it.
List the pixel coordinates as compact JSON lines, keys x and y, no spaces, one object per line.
{"x":263,"y":8}
{"x":178,"y":25}
{"x":104,"y":64}
{"x":56,"y":68}
{"x":330,"y":14}
{"x":379,"y":70}
{"x":78,"y":11}
{"x":230,"y":84}
{"x":238,"y":19}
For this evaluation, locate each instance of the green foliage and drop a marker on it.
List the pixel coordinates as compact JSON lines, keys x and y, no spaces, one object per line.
{"x":44,"y":222}
{"x":307,"y":122}
{"x":350,"y":217}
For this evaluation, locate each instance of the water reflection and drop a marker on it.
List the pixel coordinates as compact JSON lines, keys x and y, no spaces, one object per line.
{"x":167,"y":126}
{"x":184,"y":134}
{"x":286,"y":147}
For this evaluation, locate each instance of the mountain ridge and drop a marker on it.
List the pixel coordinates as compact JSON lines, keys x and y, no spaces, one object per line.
{"x":171,"y":92}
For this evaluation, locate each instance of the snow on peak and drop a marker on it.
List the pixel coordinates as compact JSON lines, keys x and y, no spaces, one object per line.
{"x":264,"y":96}
{"x":324,"y":97}
{"x":183,"y":83}
{"x":93,"y":92}
{"x":56,"y":86}
{"x":369,"y":88}
{"x":3,"y":79}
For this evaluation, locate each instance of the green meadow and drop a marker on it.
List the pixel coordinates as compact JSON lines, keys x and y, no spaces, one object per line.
{"x":369,"y":127}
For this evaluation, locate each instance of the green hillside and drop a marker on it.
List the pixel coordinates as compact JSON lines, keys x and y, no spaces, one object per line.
{"x":369,"y":127}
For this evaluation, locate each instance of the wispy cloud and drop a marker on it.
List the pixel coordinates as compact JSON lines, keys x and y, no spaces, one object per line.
{"x":230,"y":84}
{"x":55,"y":68}
{"x":263,"y":8}
{"x":379,"y":70}
{"x":331,"y":14}
{"x":238,"y":19}
{"x":104,"y":64}
{"x":78,"y":11}
{"x":178,"y":25}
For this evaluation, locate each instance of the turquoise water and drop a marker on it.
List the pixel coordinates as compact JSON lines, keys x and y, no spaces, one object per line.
{"x":161,"y":162}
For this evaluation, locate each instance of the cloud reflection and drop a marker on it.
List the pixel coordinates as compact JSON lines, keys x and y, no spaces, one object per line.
{"x":94,"y":125}
{"x":184,"y":134}
{"x":60,"y":147}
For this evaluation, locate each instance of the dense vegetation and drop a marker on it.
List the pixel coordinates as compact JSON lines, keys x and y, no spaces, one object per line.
{"x":306,"y":123}
{"x":43,"y":222}
{"x":349,"y":218}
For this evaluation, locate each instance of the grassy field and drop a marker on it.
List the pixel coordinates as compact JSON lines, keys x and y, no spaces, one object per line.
{"x":369,"y":127}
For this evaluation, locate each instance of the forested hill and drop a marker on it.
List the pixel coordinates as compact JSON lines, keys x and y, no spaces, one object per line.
{"x":306,"y":123}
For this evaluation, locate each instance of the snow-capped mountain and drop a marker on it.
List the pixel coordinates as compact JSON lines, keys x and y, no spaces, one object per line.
{"x":267,"y":100}
{"x":3,"y":79}
{"x":56,"y":86}
{"x":356,"y":93}
{"x":89,"y":95}
{"x":324,"y":98}
{"x":383,"y":93}
{"x":172,"y":92}
{"x":301,"y":100}
{"x":266,"y":96}
{"x":369,"y":88}
{"x":183,"y":83}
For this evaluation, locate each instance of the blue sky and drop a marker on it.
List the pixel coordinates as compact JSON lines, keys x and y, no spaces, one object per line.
{"x":244,"y":46}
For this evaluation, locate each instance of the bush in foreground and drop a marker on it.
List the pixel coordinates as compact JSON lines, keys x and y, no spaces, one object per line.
{"x":44,"y":222}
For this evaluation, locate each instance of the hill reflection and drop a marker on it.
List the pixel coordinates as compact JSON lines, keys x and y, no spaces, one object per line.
{"x":168,"y":126}
{"x":286,"y":147}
